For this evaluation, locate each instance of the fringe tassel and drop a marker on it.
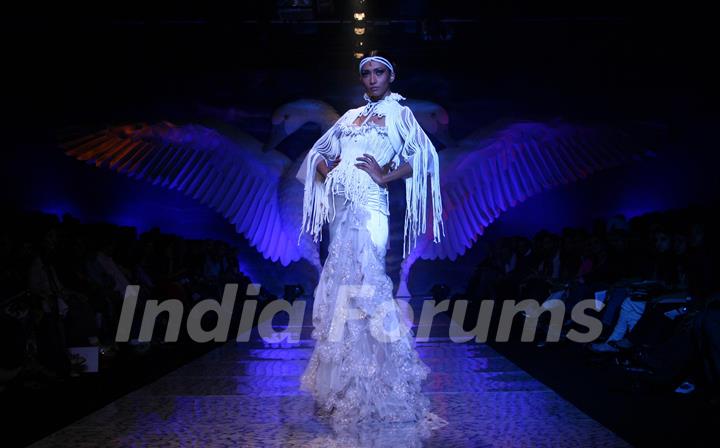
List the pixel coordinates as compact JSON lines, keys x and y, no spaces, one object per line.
{"x":416,"y":191}
{"x":316,"y":205}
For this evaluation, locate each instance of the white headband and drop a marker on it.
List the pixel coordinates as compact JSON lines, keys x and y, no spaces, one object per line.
{"x":380,"y":59}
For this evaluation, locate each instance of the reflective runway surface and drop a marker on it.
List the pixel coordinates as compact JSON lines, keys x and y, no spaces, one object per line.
{"x":246,"y":395}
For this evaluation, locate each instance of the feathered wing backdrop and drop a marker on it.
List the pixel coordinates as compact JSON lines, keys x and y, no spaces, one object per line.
{"x":254,"y":186}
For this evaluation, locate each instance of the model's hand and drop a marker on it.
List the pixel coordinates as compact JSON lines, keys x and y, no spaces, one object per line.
{"x":368,"y":164}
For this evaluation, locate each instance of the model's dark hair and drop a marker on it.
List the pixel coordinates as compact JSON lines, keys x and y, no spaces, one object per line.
{"x":387,"y":56}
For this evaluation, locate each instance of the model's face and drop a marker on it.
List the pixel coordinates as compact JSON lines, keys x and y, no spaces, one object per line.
{"x":376,"y":79}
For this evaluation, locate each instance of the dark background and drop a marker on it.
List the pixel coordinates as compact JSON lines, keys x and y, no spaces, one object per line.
{"x":79,"y":68}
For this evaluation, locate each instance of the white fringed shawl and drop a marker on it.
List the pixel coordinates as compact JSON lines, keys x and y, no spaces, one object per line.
{"x":410,"y":143}
{"x":414,"y":146}
{"x":316,"y":200}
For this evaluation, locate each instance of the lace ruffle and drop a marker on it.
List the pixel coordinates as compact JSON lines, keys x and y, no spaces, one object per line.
{"x":359,"y":378}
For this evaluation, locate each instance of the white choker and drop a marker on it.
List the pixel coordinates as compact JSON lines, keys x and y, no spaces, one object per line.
{"x":391,"y":96}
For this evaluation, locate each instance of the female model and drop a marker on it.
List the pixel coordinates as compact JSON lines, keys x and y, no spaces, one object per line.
{"x":364,"y":367}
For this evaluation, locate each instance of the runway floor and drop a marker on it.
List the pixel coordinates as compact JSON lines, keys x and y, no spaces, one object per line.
{"x":246,"y":395}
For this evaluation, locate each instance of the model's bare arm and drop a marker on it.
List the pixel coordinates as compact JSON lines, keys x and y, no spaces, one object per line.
{"x":379,"y":174}
{"x":404,"y":171}
{"x":324,"y":169}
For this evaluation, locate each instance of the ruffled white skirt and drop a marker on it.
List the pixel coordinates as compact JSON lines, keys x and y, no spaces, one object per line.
{"x":364,"y":367}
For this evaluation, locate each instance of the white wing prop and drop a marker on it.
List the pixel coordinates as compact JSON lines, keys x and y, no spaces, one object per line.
{"x":230,"y":174}
{"x":254,"y":186}
{"x":290,"y":117}
{"x":496,"y":169}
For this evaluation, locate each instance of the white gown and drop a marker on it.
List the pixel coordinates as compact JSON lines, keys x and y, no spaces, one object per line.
{"x":364,"y":368}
